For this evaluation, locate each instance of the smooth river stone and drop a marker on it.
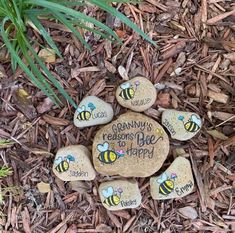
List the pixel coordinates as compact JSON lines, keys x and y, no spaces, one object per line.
{"x":120,"y":194}
{"x":137,"y":94}
{"x":181,"y":125}
{"x":176,"y":182}
{"x":132,"y":146}
{"x":92,"y":111}
{"x":73,"y":163}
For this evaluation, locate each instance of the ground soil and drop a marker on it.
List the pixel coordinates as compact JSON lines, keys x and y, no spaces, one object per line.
{"x":193,"y":68}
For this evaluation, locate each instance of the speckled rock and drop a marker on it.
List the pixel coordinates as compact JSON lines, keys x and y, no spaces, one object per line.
{"x":176,"y":182}
{"x":181,"y":125}
{"x":137,"y":94}
{"x":92,"y":111}
{"x":132,"y":146}
{"x":120,"y":194}
{"x":73,"y":163}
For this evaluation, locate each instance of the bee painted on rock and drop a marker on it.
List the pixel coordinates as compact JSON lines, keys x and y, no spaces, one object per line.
{"x":62,"y":164}
{"x":128,"y":91}
{"x":112,"y":198}
{"x":166,"y":184}
{"x":83,"y":114}
{"x":193,"y":124}
{"x":108,"y":156}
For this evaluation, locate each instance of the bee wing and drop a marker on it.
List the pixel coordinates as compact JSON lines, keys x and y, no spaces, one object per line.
{"x":103,"y":147}
{"x":163,"y":178}
{"x":107,"y":192}
{"x":125,"y":85}
{"x":58,"y":160}
{"x":196,"y":120}
{"x":79,"y":110}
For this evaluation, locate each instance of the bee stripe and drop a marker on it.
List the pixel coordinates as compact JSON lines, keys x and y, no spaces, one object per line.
{"x":131,"y":93}
{"x":162,"y":190}
{"x":84,"y":115}
{"x":125,"y":93}
{"x":106,"y":156}
{"x":110,"y":201}
{"x":87,"y":115}
{"x":165,"y":189}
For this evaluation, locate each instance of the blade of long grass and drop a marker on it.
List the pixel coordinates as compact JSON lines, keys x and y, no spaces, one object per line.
{"x":73,"y":13}
{"x":19,"y":19}
{"x":18,"y":59}
{"x":44,"y":33}
{"x":35,"y":70}
{"x":64,"y":21}
{"x":49,"y":75}
{"x":122,"y":17}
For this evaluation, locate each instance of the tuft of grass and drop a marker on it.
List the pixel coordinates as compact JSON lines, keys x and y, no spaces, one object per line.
{"x":17,"y":16}
{"x":5,"y":171}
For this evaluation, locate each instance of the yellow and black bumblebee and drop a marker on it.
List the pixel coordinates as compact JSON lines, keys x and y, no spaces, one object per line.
{"x":108,"y":156}
{"x":83,"y":114}
{"x":128,"y":91}
{"x":112,"y":198}
{"x":193,"y":124}
{"x":166,"y":185}
{"x":62,"y":164}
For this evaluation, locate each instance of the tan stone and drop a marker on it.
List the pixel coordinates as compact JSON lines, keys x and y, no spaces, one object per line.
{"x":120,"y":194}
{"x":137,"y":94}
{"x":181,"y":125}
{"x":176,"y":182}
{"x":92,"y":111}
{"x":132,"y":146}
{"x":73,"y":163}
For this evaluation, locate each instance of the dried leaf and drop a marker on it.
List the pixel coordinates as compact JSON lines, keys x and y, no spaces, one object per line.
{"x":216,"y":134}
{"x":24,"y":104}
{"x":47,"y":55}
{"x":188,"y":212}
{"x":44,"y":187}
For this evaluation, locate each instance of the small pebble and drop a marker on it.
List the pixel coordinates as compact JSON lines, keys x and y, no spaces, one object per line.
{"x":92,"y":111}
{"x":137,"y":94}
{"x":73,"y":163}
{"x":181,"y":125}
{"x":176,"y":182}
{"x":132,"y":146}
{"x":120,"y":194}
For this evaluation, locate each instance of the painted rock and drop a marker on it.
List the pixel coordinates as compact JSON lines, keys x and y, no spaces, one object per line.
{"x":120,"y":194}
{"x":73,"y":163}
{"x":137,"y":94}
{"x":176,"y":182}
{"x":92,"y":111}
{"x":132,"y":146}
{"x":181,"y":125}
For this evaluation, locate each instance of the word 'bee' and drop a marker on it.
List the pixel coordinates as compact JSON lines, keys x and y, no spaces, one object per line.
{"x":108,"y":156}
{"x":83,"y":114}
{"x":112,"y":198}
{"x":167,"y":184}
{"x":62,"y":164}
{"x":128,"y":91}
{"x":193,"y":124}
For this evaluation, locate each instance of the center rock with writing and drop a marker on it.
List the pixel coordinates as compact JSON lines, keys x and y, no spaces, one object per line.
{"x":132,"y":146}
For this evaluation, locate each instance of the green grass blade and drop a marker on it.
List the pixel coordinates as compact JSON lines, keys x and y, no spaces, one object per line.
{"x":122,"y":17}
{"x":73,"y":13}
{"x":19,"y":61}
{"x":64,"y":21}
{"x":44,"y":33}
{"x":50,"y":76}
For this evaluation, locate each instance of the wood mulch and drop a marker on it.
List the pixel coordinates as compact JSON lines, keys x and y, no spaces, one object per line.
{"x":193,"y":68}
